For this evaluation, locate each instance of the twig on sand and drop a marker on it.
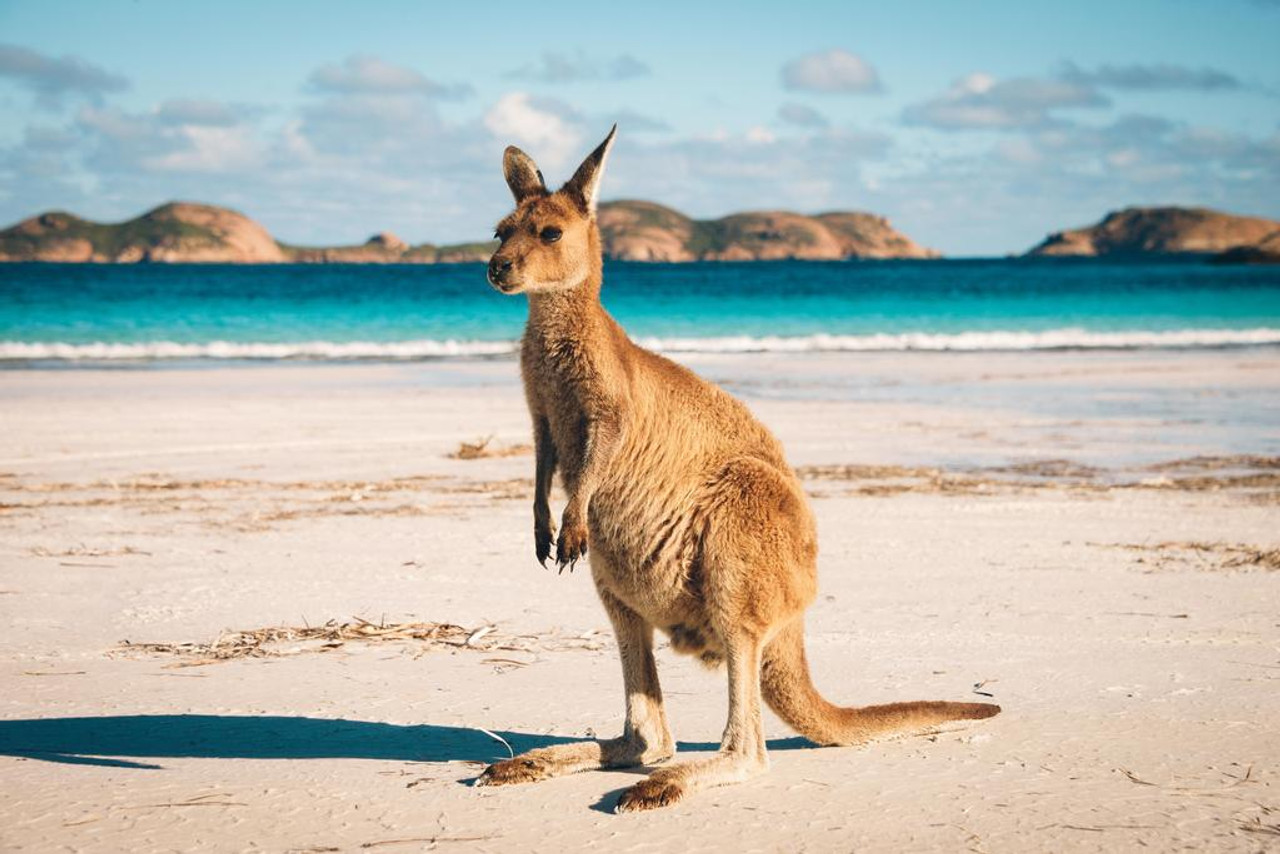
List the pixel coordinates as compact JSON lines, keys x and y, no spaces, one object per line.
{"x":1247,"y":777}
{"x":1203,"y":555}
{"x":1103,"y":828}
{"x":1255,"y":664}
{"x":480,"y":450}
{"x":1256,"y":826}
{"x":198,"y":801}
{"x":87,"y":820}
{"x":430,"y":840}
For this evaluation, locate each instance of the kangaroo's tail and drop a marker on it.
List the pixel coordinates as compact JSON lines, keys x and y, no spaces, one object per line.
{"x":790,"y":693}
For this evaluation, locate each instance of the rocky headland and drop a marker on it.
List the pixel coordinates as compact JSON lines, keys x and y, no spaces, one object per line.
{"x":1165,"y":231}
{"x":186,"y":232}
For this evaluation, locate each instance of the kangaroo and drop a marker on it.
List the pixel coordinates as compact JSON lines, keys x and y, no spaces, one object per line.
{"x":690,"y":517}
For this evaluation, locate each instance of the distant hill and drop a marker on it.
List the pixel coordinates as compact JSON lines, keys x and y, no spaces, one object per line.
{"x":1265,"y":251}
{"x":1160,"y":231}
{"x":176,"y":232}
{"x":386,"y":248}
{"x":186,"y":232}
{"x":191,"y":233}
{"x":645,"y":231}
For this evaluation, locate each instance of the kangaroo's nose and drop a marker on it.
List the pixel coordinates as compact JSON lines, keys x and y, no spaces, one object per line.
{"x":498,"y":266}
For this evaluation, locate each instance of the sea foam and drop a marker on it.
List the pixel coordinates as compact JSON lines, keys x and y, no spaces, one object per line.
{"x":424,"y":349}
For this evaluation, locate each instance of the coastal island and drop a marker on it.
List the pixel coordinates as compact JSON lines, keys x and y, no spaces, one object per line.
{"x":187,"y":232}
{"x":632,"y":230}
{"x":1168,"y":231}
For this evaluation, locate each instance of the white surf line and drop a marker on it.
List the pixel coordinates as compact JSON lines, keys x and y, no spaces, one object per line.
{"x":1063,"y":338}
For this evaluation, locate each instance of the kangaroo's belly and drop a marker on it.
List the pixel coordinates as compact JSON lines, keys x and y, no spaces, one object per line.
{"x":646,"y":549}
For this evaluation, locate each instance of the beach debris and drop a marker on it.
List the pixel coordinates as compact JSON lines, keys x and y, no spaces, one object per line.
{"x":286,"y":641}
{"x":82,"y":550}
{"x":484,"y":449}
{"x":475,"y":636}
{"x":256,"y":505}
{"x":198,"y":801}
{"x":1256,"y":825}
{"x":1254,"y":477}
{"x":1050,"y":469}
{"x":1238,"y":461}
{"x":1232,"y":781}
{"x":1202,"y":555}
{"x":430,"y":841}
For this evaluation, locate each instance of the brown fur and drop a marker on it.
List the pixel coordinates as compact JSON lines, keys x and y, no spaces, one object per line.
{"x":693,"y":521}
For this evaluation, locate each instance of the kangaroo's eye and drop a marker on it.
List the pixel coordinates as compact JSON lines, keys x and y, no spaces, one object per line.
{"x":551,"y":234}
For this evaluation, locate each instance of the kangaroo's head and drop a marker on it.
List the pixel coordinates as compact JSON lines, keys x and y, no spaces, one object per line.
{"x":550,"y":241}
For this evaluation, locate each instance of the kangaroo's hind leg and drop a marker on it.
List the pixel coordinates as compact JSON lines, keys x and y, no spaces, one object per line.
{"x":759,"y":551}
{"x":742,"y":750}
{"x":646,"y":737}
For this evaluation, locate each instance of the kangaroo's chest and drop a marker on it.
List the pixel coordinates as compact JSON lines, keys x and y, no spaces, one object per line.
{"x":558,"y":388}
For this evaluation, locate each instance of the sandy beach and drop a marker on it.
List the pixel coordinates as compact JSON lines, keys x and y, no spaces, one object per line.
{"x":274,"y":608}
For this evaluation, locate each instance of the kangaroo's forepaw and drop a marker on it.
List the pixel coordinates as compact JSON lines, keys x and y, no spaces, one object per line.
{"x":649,"y":794}
{"x":543,"y":537}
{"x":571,"y":546}
{"x":511,"y":771}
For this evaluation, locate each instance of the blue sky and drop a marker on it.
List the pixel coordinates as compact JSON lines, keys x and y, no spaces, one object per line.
{"x":976,"y":128}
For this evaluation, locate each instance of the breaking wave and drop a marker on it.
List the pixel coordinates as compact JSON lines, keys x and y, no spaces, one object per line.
{"x":1052,"y":339}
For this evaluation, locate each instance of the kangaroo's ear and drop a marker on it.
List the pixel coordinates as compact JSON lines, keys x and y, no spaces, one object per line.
{"x":584,"y":186}
{"x":522,"y":174}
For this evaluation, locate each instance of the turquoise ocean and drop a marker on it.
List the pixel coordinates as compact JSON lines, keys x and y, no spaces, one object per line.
{"x":52,"y":314}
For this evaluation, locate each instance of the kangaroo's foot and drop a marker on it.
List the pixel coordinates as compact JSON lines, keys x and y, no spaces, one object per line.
{"x":672,"y":784}
{"x":562,"y":759}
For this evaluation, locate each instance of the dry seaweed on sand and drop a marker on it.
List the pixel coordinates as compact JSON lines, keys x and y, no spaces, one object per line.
{"x":485,"y":449}
{"x":87,"y":551}
{"x":1250,"y":477}
{"x":154,"y":482}
{"x":283,"y":641}
{"x":1208,"y":463}
{"x":856,"y":471}
{"x":1203,"y":555}
{"x":1050,"y":469}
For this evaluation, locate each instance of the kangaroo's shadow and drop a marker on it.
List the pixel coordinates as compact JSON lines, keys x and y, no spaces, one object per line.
{"x":119,"y":741}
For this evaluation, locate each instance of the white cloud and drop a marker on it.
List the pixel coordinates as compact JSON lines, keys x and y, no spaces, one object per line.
{"x":52,"y":77}
{"x":197,"y":111}
{"x":368,"y":75}
{"x":1161,"y":76}
{"x":210,"y":149}
{"x":1019,"y":150}
{"x":545,"y":128}
{"x":556,"y":67}
{"x":831,"y":71}
{"x":802,"y":116}
{"x":181,"y":136}
{"x":979,"y":101}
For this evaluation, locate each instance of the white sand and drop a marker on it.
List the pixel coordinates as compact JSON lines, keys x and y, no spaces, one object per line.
{"x":1141,"y":688}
